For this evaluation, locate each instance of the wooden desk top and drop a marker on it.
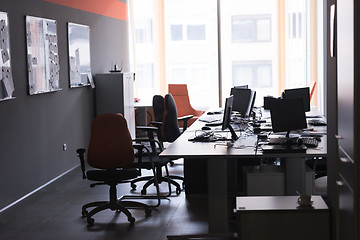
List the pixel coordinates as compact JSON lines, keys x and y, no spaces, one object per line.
{"x":269,"y":203}
{"x":244,"y":147}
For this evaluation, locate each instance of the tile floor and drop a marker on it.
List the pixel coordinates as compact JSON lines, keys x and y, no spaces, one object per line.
{"x":54,"y":212}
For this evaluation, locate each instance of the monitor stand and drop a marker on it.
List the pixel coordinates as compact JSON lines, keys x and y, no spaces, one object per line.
{"x":234,"y":137}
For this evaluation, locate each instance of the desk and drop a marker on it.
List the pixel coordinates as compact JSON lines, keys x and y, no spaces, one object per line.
{"x":219,"y":157}
{"x":281,"y":218}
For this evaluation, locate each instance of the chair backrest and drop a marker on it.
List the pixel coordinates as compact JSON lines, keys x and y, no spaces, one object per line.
{"x":110,"y":144}
{"x":312,"y":89}
{"x":158,"y":107}
{"x":181,"y":97}
{"x":170,"y":127}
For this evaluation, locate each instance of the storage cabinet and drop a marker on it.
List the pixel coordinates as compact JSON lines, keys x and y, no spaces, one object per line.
{"x":348,"y":120}
{"x":281,"y":218}
{"x":115,"y":94}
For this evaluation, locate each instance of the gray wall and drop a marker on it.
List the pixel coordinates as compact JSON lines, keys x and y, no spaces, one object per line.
{"x":34,"y":128}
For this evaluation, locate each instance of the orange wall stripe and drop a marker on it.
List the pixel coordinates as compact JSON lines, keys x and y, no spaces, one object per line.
{"x":109,"y":8}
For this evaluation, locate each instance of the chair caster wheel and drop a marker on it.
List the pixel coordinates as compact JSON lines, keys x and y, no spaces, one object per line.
{"x":178,"y":191}
{"x":172,"y":163}
{"x":84,"y":213}
{"x":133,"y":186}
{"x":90,"y":221}
{"x":148,"y":212}
{"x":131,"y":220}
{"x":143,"y":192}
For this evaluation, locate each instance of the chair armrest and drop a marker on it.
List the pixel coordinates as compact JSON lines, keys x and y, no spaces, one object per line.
{"x":141,"y":140}
{"x":81,"y":155}
{"x":156,"y":124}
{"x":147,"y":128}
{"x":185,"y":119}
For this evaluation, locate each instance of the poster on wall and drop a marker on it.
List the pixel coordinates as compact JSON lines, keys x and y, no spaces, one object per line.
{"x":79,"y":55}
{"x":42,"y":55}
{"x":6,"y":80}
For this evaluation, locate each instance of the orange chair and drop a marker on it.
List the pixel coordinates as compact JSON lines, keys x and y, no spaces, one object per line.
{"x":181,"y":97}
{"x":312,"y":89}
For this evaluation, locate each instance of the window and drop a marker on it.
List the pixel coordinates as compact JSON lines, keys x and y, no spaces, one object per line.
{"x":193,"y":32}
{"x":144,"y":32}
{"x":254,"y":74}
{"x":269,"y":45}
{"x":176,"y":32}
{"x":191,"y":52}
{"x":251,"y":28}
{"x":196,"y":32}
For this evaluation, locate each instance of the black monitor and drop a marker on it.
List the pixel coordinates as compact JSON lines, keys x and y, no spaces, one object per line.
{"x":252,"y":101}
{"x":242,"y":100}
{"x":242,"y":86}
{"x":287,"y":115}
{"x":227,"y":117}
{"x":303,"y":93}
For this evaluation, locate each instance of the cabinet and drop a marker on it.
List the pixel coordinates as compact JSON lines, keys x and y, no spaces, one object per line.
{"x":281,"y":218}
{"x":347,"y":129}
{"x":114,"y":93}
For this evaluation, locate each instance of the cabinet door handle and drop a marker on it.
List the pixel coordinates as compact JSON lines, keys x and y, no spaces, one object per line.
{"x":346,"y":160}
{"x":340,"y":183}
{"x":339,"y":137}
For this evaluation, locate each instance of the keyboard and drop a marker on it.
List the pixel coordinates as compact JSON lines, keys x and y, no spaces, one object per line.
{"x":317,"y":122}
{"x":310,"y":142}
{"x":210,"y":119}
{"x":283,"y":149}
{"x":213,"y":124}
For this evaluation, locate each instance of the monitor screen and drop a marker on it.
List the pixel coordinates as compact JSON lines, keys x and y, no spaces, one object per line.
{"x":303,"y":93}
{"x":287,"y":115}
{"x":227,"y":112}
{"x":242,"y":99}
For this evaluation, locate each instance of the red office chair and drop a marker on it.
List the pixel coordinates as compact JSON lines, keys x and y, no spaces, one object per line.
{"x":312,"y":89}
{"x":181,"y":97}
{"x":111,"y":153}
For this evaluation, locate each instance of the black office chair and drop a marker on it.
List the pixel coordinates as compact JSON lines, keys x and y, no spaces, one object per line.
{"x":165,"y":112}
{"x":111,"y":153}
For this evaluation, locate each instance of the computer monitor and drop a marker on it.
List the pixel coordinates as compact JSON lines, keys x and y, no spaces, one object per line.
{"x":287,"y":115}
{"x":242,"y":86}
{"x":252,"y":101}
{"x":227,"y":117}
{"x":303,"y":93}
{"x":242,"y":100}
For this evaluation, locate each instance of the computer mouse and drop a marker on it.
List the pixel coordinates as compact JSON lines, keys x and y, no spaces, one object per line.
{"x":206,"y":128}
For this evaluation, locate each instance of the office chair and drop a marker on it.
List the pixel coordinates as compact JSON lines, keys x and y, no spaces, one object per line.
{"x":181,"y":97}
{"x":111,"y":154}
{"x":312,"y":89}
{"x":167,"y":130}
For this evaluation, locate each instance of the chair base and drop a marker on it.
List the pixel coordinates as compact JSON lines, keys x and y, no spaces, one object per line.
{"x":118,"y":206}
{"x":151,"y":180}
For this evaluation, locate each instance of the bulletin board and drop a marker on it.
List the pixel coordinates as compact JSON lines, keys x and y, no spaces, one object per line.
{"x":42,"y":55}
{"x":6,"y":79}
{"x":79,"y":55}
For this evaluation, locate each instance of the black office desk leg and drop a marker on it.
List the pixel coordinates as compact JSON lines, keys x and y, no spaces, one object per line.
{"x":217,"y":196}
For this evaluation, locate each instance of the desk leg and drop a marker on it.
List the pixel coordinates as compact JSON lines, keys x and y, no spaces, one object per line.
{"x":217,"y":196}
{"x":295,"y":176}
